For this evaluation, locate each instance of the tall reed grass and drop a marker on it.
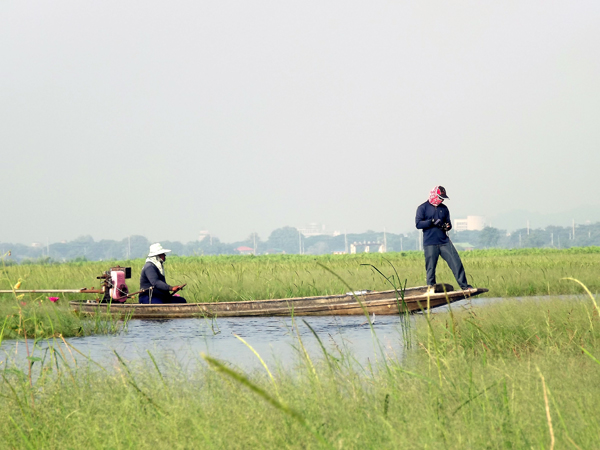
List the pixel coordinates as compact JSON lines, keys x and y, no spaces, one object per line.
{"x":514,"y":374}
{"x":506,"y":273}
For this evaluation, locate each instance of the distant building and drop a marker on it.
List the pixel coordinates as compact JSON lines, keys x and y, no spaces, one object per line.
{"x":471,"y":223}
{"x":245,"y":250}
{"x":274,"y":251}
{"x":312,"y":229}
{"x":316,"y":229}
{"x":464,"y":246}
{"x":365,"y":247}
{"x":203,"y":234}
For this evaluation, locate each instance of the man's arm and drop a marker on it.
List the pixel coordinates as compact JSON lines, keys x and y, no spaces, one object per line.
{"x":421,"y":221}
{"x":152,"y":274}
{"x":448,"y":224}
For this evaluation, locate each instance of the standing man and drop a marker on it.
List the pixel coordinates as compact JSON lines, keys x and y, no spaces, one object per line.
{"x":434,"y":219}
{"x":153,"y":281}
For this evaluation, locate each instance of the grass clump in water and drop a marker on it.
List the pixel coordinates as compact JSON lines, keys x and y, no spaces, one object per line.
{"x":35,"y":315}
{"x":36,"y":320}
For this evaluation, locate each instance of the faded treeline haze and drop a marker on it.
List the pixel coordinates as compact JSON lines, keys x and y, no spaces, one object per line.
{"x":288,"y":240}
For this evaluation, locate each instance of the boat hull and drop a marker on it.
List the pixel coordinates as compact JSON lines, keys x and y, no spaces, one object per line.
{"x":379,"y":303}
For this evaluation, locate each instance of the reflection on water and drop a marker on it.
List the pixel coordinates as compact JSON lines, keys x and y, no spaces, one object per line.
{"x":180,"y":341}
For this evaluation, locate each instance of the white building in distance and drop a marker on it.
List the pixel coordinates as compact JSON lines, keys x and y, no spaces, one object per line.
{"x":316,"y":229}
{"x":365,"y":247}
{"x":471,"y":223}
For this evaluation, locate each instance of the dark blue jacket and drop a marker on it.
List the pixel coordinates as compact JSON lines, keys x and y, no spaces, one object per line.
{"x":433,"y":234}
{"x":151,"y":277}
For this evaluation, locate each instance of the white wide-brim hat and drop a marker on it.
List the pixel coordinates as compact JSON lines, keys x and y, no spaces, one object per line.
{"x":157,"y":249}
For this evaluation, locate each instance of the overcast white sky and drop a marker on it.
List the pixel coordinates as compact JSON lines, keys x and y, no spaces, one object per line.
{"x":165,"y":118}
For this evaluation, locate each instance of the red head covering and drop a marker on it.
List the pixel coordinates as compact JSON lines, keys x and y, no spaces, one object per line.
{"x":435,"y":195}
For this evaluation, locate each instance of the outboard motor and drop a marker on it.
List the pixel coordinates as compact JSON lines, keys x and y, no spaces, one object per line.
{"x":115,"y":288}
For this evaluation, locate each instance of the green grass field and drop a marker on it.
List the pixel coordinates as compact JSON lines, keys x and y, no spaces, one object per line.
{"x":514,"y":374}
{"x":506,"y":273}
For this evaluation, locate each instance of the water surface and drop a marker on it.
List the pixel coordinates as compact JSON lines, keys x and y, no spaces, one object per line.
{"x":181,"y":341}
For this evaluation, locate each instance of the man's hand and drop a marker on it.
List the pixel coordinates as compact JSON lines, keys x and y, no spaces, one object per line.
{"x":176,"y":288}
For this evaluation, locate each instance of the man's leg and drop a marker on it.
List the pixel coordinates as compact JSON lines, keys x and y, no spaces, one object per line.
{"x":432,"y":253}
{"x":175,"y":299}
{"x":450,"y":255}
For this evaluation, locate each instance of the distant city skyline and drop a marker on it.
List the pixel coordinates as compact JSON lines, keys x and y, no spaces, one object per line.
{"x":537,"y":222}
{"x":288,"y":240}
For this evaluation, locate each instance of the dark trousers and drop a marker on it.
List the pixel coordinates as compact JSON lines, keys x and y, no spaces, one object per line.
{"x":450,"y":255}
{"x":160,"y":299}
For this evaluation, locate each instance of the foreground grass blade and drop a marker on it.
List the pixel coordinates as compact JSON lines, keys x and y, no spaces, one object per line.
{"x":590,"y":355}
{"x":135,"y":386}
{"x":220,"y":367}
{"x":483,"y":391}
{"x":327,"y":355}
{"x":365,"y":312}
{"x":584,"y":287}
{"x":23,"y":435}
{"x":264,"y":364}
{"x":548,"y":415}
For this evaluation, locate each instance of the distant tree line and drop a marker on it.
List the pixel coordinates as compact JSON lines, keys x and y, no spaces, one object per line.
{"x":584,"y":235}
{"x":288,"y":240}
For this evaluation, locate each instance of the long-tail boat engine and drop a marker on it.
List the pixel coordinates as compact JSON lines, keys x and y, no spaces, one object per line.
{"x":114,"y":285}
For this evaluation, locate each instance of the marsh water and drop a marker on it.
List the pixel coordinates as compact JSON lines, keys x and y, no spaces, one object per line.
{"x":180,"y":342}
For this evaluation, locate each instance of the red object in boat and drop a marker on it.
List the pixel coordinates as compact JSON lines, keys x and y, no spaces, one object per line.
{"x":119,"y":290}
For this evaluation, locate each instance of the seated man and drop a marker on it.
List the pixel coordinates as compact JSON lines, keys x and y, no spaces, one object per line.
{"x":153,"y":279}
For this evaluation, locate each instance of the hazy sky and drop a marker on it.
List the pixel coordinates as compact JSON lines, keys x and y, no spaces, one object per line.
{"x":165,"y":118}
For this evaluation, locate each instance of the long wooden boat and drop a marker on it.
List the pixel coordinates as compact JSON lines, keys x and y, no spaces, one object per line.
{"x":374,"y":302}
